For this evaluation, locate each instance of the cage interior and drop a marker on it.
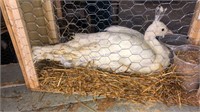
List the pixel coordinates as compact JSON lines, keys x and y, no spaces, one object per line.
{"x":94,"y":16}
{"x":53,"y":28}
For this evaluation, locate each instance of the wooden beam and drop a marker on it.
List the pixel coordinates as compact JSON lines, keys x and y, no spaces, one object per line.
{"x":51,"y":24}
{"x":194,"y":32}
{"x":20,"y":40}
{"x":8,"y":25}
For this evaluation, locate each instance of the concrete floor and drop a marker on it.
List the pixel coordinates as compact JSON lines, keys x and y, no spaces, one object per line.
{"x":16,"y":97}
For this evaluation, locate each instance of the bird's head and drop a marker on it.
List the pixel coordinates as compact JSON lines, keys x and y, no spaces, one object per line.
{"x":158,"y":28}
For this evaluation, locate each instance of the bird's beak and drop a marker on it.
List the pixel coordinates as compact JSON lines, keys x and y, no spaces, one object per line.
{"x":169,"y":32}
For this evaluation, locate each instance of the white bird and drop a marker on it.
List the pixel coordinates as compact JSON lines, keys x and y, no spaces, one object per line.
{"x":118,"y":52}
{"x":121,"y":29}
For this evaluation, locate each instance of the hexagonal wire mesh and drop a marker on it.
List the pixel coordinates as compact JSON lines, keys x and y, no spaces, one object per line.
{"x":35,"y":21}
{"x":95,"y":16}
{"x":75,"y":17}
{"x":84,"y":39}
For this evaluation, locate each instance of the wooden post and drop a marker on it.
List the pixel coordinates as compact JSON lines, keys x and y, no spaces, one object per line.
{"x":20,"y":40}
{"x":51,"y":24}
{"x":59,"y":8}
{"x":194,"y":32}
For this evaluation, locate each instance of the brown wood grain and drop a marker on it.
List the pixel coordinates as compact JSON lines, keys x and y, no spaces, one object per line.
{"x":194,"y":32}
{"x":51,"y":24}
{"x":20,"y":41}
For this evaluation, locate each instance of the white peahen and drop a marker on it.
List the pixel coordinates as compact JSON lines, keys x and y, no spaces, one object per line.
{"x":121,"y":29}
{"x":113,"y":51}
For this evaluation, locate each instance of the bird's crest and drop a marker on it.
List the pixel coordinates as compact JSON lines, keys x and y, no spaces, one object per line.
{"x":159,"y":12}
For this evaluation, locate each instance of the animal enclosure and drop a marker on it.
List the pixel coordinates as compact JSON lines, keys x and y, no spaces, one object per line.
{"x":72,"y":46}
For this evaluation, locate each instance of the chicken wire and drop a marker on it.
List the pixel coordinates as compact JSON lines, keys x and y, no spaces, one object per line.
{"x":114,"y":48}
{"x":86,"y":33}
{"x":94,"y":16}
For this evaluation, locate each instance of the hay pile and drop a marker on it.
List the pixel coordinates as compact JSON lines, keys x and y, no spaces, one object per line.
{"x":164,"y":86}
{"x":189,"y":56}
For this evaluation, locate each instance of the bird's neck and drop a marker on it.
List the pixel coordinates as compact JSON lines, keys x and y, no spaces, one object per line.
{"x":155,"y":45}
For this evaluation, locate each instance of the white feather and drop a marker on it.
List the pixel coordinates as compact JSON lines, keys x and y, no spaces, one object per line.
{"x":119,"y":49}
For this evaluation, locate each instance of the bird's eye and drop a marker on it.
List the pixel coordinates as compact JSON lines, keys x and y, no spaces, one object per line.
{"x":163,"y":29}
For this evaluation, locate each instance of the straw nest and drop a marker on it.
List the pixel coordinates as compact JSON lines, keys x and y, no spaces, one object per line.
{"x":164,"y":86}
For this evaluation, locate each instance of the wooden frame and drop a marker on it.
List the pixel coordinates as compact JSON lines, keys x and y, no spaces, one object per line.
{"x":20,"y":40}
{"x":194,"y":32}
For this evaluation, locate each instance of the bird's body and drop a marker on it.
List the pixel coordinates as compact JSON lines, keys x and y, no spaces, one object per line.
{"x":121,"y":29}
{"x":117,"y":52}
{"x":111,"y":50}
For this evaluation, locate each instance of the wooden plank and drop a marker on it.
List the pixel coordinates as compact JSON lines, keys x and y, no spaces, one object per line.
{"x":59,"y":8}
{"x":51,"y":24}
{"x":20,"y":41}
{"x":194,"y":32}
{"x":8,"y":24}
